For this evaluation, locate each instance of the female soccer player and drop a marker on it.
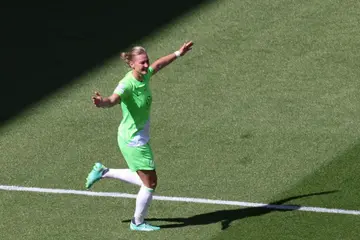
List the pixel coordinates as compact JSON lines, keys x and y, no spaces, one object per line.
{"x":134,"y":95}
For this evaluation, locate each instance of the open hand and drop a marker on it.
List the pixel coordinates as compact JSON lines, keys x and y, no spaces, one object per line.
{"x":185,"y":48}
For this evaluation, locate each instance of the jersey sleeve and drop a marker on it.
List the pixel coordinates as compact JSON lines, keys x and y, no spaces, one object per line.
{"x":122,"y":89}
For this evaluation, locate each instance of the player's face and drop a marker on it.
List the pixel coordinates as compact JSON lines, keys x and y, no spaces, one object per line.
{"x":140,"y":63}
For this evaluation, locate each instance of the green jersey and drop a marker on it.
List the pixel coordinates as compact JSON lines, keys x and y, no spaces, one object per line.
{"x":136,"y":101}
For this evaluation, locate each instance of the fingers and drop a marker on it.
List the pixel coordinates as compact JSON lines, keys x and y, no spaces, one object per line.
{"x":97,"y":95}
{"x":96,"y":99}
{"x":187,"y":46}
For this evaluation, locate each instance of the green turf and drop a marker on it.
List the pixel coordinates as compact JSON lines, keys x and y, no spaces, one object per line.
{"x":264,"y":108}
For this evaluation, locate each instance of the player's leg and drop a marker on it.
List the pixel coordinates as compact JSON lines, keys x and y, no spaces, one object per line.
{"x":143,"y":164}
{"x":148,"y":178}
{"x":125,"y":175}
{"x":99,"y":171}
{"x":144,"y":198}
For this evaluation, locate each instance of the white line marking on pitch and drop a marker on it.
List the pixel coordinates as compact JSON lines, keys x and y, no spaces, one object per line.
{"x":181,"y":199}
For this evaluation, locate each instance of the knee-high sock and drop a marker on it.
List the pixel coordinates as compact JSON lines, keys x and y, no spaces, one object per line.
{"x":125,"y":175}
{"x":143,"y":201}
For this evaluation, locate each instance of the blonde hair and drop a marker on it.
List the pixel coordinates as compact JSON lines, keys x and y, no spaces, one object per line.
{"x":128,"y":56}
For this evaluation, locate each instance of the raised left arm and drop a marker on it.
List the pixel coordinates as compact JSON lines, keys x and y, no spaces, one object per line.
{"x":166,"y":60}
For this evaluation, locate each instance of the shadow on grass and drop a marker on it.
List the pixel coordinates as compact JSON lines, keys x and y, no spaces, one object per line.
{"x":47,"y":46}
{"x":226,"y":217}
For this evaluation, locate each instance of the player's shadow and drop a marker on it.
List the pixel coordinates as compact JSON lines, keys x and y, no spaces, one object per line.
{"x":226,"y":217}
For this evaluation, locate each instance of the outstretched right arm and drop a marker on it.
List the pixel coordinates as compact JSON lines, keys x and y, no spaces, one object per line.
{"x":106,"y":102}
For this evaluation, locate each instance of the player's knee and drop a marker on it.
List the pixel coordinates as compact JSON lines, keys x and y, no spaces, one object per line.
{"x":153,"y":180}
{"x":153,"y":184}
{"x":149,"y":179}
{"x":150,"y":183}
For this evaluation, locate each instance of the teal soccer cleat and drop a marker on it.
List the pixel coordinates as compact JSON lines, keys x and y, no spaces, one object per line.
{"x":143,"y":227}
{"x":95,"y":175}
